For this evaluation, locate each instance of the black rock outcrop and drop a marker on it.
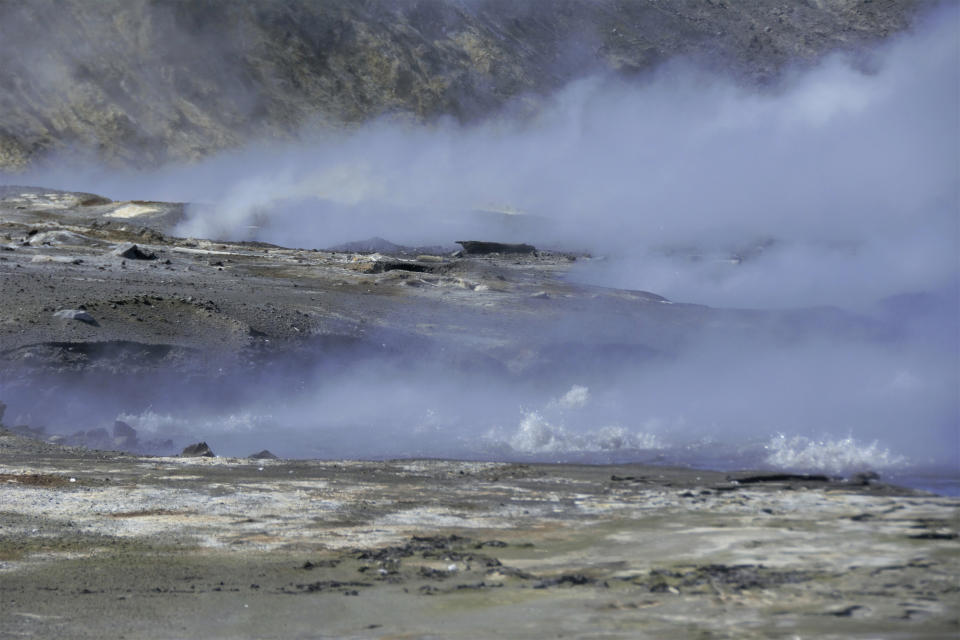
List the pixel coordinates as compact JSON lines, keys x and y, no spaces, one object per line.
{"x":476,"y":247}
{"x":197,"y":450}
{"x":131,"y":251}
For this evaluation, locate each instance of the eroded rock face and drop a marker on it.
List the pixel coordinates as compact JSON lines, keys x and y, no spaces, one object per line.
{"x":198,"y":450}
{"x":479,"y":247}
{"x":124,"y":436}
{"x":222,"y":73}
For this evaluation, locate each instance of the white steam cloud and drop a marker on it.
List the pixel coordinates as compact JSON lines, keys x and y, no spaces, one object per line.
{"x":837,"y":187}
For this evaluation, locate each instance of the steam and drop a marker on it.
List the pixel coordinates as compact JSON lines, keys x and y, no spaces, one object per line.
{"x":837,"y":187}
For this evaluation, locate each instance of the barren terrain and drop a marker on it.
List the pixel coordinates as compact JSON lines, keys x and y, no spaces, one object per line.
{"x":98,"y":543}
{"x":101,"y":544}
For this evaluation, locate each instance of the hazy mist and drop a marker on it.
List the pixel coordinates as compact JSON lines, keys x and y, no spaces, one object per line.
{"x":836,"y":187}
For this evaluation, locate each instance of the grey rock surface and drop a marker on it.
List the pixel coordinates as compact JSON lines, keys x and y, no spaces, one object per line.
{"x":155,"y":82}
{"x":75,"y":314}
{"x":197,"y":450}
{"x":132,"y":251}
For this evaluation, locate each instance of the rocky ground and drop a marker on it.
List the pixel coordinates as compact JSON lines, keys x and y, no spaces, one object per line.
{"x":97,"y":544}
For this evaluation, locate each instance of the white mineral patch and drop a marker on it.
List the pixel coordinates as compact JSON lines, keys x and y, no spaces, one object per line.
{"x":60,"y":237}
{"x":49,"y":200}
{"x":59,"y":259}
{"x":132,"y":211}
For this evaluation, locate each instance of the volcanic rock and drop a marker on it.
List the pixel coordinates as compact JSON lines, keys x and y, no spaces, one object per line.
{"x":96,"y":439}
{"x":342,"y":61}
{"x":198,"y":450}
{"x":266,"y":454}
{"x":124,"y":435}
{"x":76,"y":314}
{"x":475,"y":247}
{"x":122,"y":430}
{"x":133,"y":252}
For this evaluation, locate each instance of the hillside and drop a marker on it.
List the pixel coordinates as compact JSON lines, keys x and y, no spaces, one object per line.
{"x":142,"y":83}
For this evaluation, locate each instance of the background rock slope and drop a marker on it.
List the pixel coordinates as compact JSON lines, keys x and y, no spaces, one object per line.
{"x":142,"y":83}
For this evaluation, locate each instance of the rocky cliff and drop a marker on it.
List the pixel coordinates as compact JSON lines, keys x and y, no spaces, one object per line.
{"x":144,"y":82}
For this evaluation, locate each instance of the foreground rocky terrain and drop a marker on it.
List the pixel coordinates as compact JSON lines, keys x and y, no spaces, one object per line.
{"x":143,"y":83}
{"x":97,"y":544}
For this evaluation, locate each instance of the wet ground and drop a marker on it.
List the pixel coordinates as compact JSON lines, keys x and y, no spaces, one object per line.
{"x":102,"y":544}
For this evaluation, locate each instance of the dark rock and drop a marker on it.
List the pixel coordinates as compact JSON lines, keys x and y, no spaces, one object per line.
{"x":328,"y":585}
{"x":131,"y":251}
{"x":97,"y":439}
{"x":266,"y":454}
{"x":76,"y":314}
{"x":370,"y":245}
{"x":122,"y":430}
{"x":864,"y":477}
{"x":93,"y":200}
{"x":846,"y":612}
{"x":432,"y":71}
{"x":198,"y":450}
{"x":124,"y":436}
{"x":573,"y":579}
{"x":935,"y":535}
{"x":3,"y":409}
{"x":780,"y":477}
{"x":475,"y":247}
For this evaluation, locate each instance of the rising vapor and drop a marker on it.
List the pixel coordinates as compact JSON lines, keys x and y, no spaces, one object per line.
{"x":837,"y":186}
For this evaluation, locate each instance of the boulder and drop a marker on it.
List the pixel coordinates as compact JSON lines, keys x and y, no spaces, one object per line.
{"x":266,"y":454}
{"x":122,"y":430}
{"x":131,"y":251}
{"x":76,"y":314}
{"x":198,"y":450}
{"x":475,"y":247}
{"x":124,"y":435}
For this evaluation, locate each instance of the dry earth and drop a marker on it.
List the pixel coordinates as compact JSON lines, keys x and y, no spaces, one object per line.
{"x":102,"y":544}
